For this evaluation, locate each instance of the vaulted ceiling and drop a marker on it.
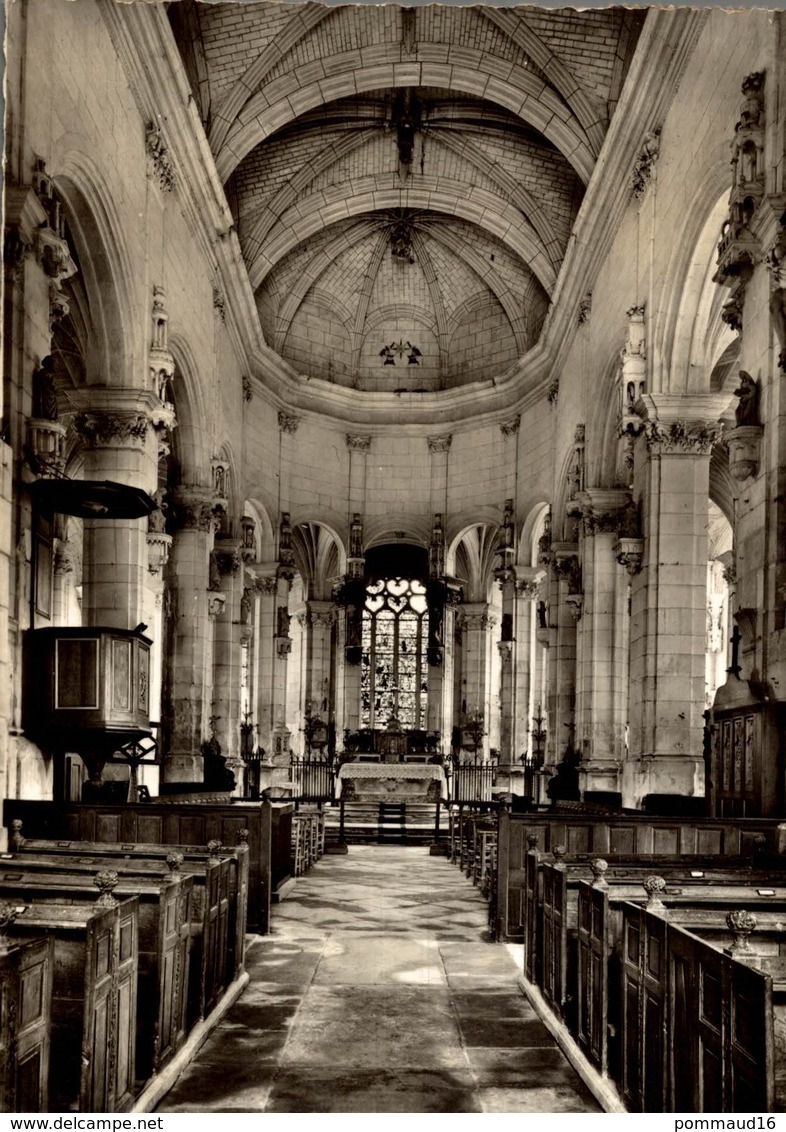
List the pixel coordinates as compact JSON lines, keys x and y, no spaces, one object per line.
{"x":403,"y":180}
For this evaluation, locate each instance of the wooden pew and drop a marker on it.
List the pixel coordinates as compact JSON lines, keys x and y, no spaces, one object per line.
{"x":237,"y":856}
{"x":629,"y":834}
{"x":163,"y":949}
{"x":91,"y":1063}
{"x":559,"y":919}
{"x":706,"y":1020}
{"x":26,"y":969}
{"x":175,"y":823}
{"x":209,"y":911}
{"x":601,"y":998}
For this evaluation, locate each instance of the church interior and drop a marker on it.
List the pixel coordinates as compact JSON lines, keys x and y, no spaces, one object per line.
{"x":393,"y":724}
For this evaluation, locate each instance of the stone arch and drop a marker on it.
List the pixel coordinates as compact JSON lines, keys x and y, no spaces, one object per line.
{"x":679,"y":335}
{"x":531,"y":531}
{"x":190,"y":439}
{"x":476,"y":543}
{"x":492,"y":214}
{"x":116,"y":341}
{"x":521,"y":92}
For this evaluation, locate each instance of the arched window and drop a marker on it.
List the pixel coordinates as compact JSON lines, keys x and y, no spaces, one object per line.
{"x":394,"y":679}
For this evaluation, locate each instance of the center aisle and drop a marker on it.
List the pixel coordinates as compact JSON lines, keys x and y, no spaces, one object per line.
{"x":377,"y":992}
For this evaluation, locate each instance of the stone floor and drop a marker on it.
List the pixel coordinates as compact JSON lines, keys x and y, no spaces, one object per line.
{"x":377,"y":991}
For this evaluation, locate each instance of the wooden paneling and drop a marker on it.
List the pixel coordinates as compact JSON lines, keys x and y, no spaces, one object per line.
{"x":25,"y":1020}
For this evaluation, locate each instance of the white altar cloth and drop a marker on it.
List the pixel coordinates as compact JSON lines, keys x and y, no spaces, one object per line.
{"x":391,"y":778}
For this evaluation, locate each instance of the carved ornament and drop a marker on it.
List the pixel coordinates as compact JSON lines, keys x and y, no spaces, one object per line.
{"x":575,"y":603}
{"x":585,"y":309}
{"x":101,"y":430}
{"x":644,"y":165}
{"x":215,"y":604}
{"x":160,"y":162}
{"x":439,"y":443}
{"x":629,"y":552}
{"x":63,"y":562}
{"x":357,"y":443}
{"x":158,"y":547}
{"x":553,"y":391}
{"x":288,"y":422}
{"x":219,"y":303}
{"x":680,"y":437}
{"x":268,"y":584}
{"x":511,"y":427}
{"x":196,"y":510}
{"x":744,"y":448}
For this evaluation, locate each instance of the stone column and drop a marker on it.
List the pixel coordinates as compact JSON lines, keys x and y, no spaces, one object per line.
{"x":266,"y":586}
{"x":119,"y":444}
{"x":669,"y":597}
{"x":600,"y":723}
{"x":187,"y":702}
{"x":565,"y":606}
{"x":226,"y":656}
{"x":475,"y":623}
{"x":527,"y":585}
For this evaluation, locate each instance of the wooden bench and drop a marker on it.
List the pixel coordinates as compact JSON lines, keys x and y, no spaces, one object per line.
{"x":26,"y":969}
{"x":628,"y":834}
{"x":237,"y":856}
{"x":176,"y":823}
{"x":703,"y":1020}
{"x":558,"y":920}
{"x":163,"y":947}
{"x":600,"y":998}
{"x":91,"y":1063}
{"x":208,"y":963}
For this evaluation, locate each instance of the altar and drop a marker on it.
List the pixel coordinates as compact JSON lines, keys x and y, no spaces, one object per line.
{"x":406,"y":782}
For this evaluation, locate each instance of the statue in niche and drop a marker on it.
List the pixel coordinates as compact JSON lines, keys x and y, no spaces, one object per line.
{"x":747,"y":411}
{"x":156,"y":520}
{"x":214,"y":574}
{"x":356,"y":537}
{"x":245,"y":605}
{"x":219,"y":481}
{"x":282,"y":621}
{"x":44,"y":391}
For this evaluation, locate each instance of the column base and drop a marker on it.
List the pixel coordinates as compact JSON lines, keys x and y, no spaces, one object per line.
{"x":661,"y":774}
{"x":183,"y":768}
{"x":601,"y":774}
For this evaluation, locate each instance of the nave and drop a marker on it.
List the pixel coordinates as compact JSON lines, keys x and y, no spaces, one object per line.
{"x":378,"y":991}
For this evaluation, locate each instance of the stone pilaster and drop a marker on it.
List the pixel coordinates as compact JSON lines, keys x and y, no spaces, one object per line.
{"x":358,"y":447}
{"x":439,"y":447}
{"x":669,"y":597}
{"x":565,"y":604}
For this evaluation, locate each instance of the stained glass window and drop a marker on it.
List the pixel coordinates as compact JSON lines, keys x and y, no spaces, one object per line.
{"x":394,"y":679}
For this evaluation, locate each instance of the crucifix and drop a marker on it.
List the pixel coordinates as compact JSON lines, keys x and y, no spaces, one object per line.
{"x":735,"y":668}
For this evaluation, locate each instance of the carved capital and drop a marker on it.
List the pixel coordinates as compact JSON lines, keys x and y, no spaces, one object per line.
{"x":357,"y":443}
{"x":585,"y":309}
{"x":553,"y":391}
{"x":691,"y":438}
{"x":288,"y":422}
{"x":112,"y":429}
{"x":439,"y":443}
{"x":268,"y":584}
{"x":159,"y":162}
{"x":228,"y":562}
{"x":475,"y":620}
{"x":511,"y":427}
{"x":195,"y":510}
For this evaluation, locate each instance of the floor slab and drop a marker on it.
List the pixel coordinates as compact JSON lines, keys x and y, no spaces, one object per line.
{"x":378,"y":990}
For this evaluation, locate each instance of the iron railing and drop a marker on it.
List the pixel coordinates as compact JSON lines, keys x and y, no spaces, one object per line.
{"x":313,"y":780}
{"x":472,"y":782}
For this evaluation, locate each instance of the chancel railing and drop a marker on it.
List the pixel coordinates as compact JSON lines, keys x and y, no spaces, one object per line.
{"x":313,"y":780}
{"x":472,"y":782}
